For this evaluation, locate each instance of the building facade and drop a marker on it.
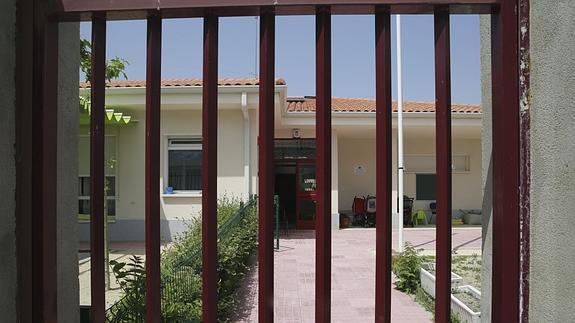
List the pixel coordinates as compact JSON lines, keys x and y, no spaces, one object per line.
{"x":353,"y":154}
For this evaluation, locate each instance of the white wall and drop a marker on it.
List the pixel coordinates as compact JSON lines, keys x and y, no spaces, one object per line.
{"x":130,"y":170}
{"x":467,"y":192}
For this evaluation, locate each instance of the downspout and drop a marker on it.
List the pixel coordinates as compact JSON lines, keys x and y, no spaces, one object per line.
{"x":247,"y":146}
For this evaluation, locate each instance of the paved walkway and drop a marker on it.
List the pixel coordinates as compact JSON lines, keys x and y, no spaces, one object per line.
{"x":120,"y":251}
{"x":353,"y":271}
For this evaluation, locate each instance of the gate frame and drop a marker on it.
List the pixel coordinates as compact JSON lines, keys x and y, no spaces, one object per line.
{"x":37,"y":143}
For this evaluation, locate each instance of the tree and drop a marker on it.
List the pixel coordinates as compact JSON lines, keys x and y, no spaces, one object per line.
{"x":115,"y":68}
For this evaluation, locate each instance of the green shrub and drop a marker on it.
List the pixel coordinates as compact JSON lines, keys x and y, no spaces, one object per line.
{"x":406,"y":267}
{"x":181,"y":267}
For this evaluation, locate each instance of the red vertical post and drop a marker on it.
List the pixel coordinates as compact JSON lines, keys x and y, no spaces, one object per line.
{"x":384,"y":164}
{"x":506,"y":162}
{"x":266,"y":176}
{"x":443,"y":164}
{"x":153,"y":92}
{"x":44,"y":170}
{"x":97,"y":171}
{"x":323,"y":166}
{"x":210,"y":171}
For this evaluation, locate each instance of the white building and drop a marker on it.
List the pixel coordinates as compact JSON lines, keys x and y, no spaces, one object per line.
{"x":353,"y":154}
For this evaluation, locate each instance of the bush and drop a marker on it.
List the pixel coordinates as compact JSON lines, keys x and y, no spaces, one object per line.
{"x":406,"y":267}
{"x":181,"y":269}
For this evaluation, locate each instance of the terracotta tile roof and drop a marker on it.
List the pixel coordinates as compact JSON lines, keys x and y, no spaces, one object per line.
{"x":307,"y":104}
{"x":182,"y":83}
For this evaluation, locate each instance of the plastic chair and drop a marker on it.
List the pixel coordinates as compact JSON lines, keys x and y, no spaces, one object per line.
{"x":419,"y":216}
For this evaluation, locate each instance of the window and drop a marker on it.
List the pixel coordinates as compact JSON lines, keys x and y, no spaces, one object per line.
{"x":294,"y":149}
{"x":185,"y":164}
{"x":425,"y":187}
{"x":84,"y":196}
{"x":426,"y":163}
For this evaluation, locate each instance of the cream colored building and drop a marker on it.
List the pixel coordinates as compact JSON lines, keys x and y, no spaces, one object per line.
{"x":353,"y":154}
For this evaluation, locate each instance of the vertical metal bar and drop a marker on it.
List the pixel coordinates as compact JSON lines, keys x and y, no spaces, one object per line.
{"x":384,"y":164}
{"x":153,"y":78}
{"x":266,"y":176}
{"x":209,"y":170}
{"x":97,"y":172}
{"x":525,"y":157}
{"x":26,"y":102}
{"x":443,"y":164}
{"x":506,"y":162}
{"x":44,"y":179}
{"x":323,"y":167}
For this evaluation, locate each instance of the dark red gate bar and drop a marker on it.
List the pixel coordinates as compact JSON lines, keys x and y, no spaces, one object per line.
{"x":506,"y":161}
{"x":210,"y":171}
{"x":266,"y":176}
{"x":443,"y":165}
{"x":153,"y":78}
{"x":44,"y":178}
{"x":70,"y":9}
{"x":97,"y":177}
{"x":384,"y":165}
{"x":323,"y":168}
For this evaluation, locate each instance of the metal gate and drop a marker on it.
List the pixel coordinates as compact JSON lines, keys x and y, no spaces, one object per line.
{"x":507,"y":141}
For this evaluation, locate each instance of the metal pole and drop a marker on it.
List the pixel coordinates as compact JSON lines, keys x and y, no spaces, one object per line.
{"x":323,"y":157}
{"x":152,"y":186}
{"x":399,"y":135}
{"x":277,"y":203}
{"x":97,"y":170}
{"x":443,"y":165}
{"x":506,"y":220}
{"x":265,"y":164}
{"x":209,"y":171}
{"x":383,"y":243}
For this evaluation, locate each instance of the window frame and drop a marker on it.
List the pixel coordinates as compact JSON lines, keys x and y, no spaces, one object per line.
{"x":432,"y":170}
{"x":114,"y":198}
{"x":197,"y":146}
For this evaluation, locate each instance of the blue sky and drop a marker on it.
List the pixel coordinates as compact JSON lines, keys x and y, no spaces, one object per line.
{"x":353,"y":58}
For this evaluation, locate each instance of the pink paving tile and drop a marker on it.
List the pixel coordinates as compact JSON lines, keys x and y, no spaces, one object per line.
{"x":353,"y":271}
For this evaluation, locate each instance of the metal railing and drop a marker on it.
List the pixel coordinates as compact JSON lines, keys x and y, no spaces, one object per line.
{"x":178,"y":282}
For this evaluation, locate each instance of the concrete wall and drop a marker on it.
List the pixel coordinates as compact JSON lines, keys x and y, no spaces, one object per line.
{"x":552,"y":161}
{"x":486,"y":179}
{"x":68,"y":107}
{"x":552,"y":197}
{"x":68,"y":285}
{"x":8,"y":276}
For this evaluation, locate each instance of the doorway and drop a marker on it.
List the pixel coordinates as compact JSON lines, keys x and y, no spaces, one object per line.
{"x":295,"y":184}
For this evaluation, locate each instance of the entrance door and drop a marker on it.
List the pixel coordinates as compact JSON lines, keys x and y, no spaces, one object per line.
{"x":306,"y":196}
{"x":285,"y":189}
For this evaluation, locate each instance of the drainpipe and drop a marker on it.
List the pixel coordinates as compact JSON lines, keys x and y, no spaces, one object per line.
{"x":247,"y":146}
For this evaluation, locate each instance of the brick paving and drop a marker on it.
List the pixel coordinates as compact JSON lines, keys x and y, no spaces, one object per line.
{"x":353,"y":268}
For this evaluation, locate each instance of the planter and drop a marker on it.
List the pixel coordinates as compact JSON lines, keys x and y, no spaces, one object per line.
{"x":427,"y":278}
{"x":461,"y":300}
{"x":472,"y":218}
